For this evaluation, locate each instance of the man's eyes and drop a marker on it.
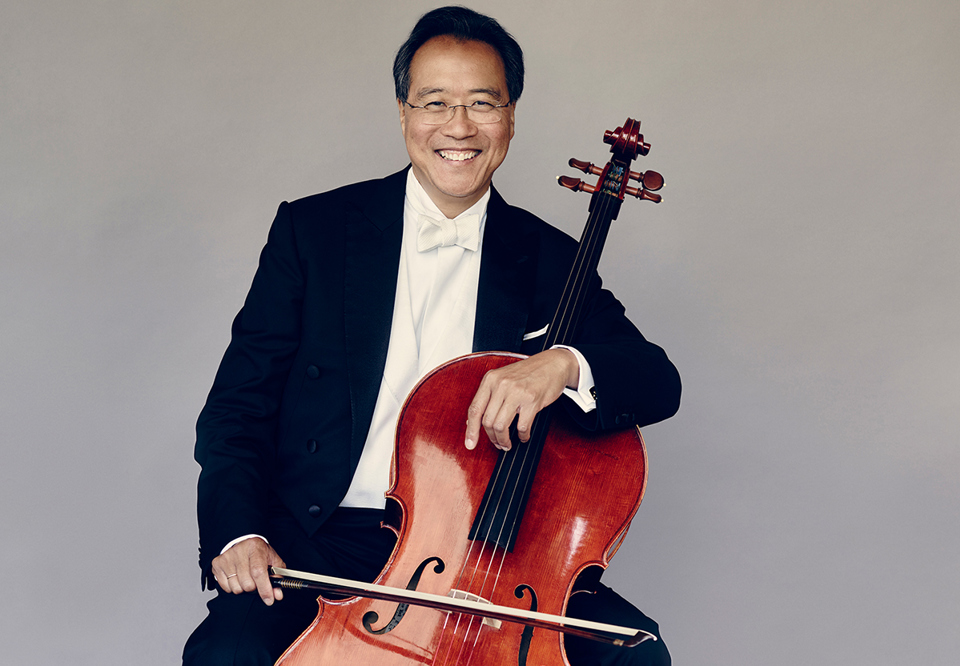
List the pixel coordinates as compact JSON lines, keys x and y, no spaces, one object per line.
{"x":479,"y":104}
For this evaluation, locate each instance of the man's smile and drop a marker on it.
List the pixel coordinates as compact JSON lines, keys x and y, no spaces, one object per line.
{"x":458,"y":155}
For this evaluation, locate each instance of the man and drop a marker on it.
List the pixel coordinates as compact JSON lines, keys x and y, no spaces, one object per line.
{"x":362,"y":290}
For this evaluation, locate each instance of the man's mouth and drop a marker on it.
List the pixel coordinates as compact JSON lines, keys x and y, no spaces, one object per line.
{"x":458,"y":155}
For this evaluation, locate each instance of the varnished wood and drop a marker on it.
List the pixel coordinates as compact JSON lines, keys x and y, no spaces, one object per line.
{"x":436,"y":486}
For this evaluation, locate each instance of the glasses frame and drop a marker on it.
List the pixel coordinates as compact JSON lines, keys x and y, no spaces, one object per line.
{"x":452,"y":111}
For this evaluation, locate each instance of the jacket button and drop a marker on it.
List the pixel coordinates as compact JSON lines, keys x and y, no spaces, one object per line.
{"x":314,"y":510}
{"x":313,"y":371}
{"x":312,"y":445}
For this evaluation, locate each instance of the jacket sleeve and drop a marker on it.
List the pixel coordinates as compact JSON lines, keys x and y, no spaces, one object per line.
{"x":236,"y":431}
{"x":635,"y":383}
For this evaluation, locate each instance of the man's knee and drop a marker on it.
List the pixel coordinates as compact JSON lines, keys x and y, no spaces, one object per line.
{"x":605,"y":605}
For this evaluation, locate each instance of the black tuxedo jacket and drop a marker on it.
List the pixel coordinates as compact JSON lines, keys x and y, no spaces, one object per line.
{"x":289,"y":410}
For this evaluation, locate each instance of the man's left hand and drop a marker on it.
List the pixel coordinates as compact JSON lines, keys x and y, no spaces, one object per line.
{"x":519,"y":390}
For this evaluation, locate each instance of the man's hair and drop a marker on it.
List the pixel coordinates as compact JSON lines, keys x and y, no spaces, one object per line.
{"x":463,"y":25}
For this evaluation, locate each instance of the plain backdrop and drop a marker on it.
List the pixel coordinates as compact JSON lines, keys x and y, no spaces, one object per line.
{"x":802,"y":272}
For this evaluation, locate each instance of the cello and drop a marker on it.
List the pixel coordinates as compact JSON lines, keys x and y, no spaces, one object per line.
{"x":490,"y":543}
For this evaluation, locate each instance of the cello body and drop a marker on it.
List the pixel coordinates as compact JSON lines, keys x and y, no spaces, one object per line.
{"x":588,"y":486}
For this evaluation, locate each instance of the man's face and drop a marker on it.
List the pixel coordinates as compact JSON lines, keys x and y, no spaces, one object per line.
{"x":454,"y":162}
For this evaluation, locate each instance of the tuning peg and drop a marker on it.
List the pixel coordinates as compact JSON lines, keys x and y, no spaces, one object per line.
{"x":643,"y":194}
{"x":651,"y":180}
{"x":575,"y":184}
{"x":586,"y":167}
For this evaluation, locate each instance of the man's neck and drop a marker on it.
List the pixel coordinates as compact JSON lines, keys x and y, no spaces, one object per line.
{"x":426,"y":202}
{"x":450,"y":206}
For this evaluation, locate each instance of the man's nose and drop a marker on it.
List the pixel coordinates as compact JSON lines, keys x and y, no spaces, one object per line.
{"x":460,"y":125}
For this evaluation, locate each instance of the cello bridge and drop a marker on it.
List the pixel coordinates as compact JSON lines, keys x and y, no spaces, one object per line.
{"x":460,"y":594}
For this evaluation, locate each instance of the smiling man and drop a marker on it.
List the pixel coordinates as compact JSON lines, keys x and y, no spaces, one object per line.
{"x":455,"y":149}
{"x":359,"y":293}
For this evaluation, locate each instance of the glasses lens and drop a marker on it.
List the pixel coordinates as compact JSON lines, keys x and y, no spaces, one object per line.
{"x":483,"y":113}
{"x":437,"y":114}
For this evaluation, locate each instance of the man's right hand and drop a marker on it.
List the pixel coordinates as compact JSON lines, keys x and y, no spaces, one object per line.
{"x":244,"y":568}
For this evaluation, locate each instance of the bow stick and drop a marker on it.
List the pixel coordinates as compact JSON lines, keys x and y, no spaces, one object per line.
{"x":291,"y":579}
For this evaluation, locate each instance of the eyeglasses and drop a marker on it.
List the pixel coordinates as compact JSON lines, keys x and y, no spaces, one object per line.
{"x":440,"y":113}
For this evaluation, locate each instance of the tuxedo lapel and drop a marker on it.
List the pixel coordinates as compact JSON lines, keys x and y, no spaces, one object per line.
{"x":507,"y":277}
{"x":373,"y":237}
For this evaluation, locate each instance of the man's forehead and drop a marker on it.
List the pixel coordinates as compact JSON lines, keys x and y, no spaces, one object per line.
{"x":429,"y":91}
{"x":445,"y":65}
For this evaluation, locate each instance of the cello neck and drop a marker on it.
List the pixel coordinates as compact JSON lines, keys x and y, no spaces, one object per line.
{"x":608,"y":194}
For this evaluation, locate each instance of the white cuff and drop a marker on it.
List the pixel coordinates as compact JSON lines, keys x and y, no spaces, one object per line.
{"x":583,"y":395}
{"x":243,"y":538}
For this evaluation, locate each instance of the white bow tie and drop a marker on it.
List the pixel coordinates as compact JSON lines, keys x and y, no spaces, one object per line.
{"x":464,"y":231}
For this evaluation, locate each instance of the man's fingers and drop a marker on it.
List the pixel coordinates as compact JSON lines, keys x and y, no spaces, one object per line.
{"x":525,"y":423}
{"x":497,"y":425}
{"x":230,"y":583}
{"x":496,"y":419}
{"x":475,"y":414}
{"x":243,"y":579}
{"x":260,"y":575}
{"x":277,"y":562}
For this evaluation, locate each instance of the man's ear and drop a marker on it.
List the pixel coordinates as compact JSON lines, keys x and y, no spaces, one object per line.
{"x":403,"y":115}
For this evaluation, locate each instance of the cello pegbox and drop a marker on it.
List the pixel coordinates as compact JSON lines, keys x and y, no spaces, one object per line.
{"x":576,"y":184}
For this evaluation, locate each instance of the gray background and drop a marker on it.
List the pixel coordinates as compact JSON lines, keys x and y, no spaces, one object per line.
{"x":801,"y":272}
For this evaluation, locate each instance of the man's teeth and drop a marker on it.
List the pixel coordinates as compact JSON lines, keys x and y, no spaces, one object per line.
{"x":458,"y":155}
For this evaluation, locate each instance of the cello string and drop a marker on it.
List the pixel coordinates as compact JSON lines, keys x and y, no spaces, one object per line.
{"x":478,"y":562}
{"x":458,"y":584}
{"x":573,"y":292}
{"x":565,"y":322}
{"x":496,"y":552}
{"x":460,"y":578}
{"x":567,"y":314}
{"x":589,"y":258}
{"x":571,"y":303}
{"x":560,"y":327}
{"x":566,"y":318}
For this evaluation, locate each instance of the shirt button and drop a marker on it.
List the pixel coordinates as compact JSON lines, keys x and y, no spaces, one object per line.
{"x":312,"y":445}
{"x":313,"y":371}
{"x":314,"y":510}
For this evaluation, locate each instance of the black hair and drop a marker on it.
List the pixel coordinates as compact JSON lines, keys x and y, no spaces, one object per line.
{"x":464,"y":25}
